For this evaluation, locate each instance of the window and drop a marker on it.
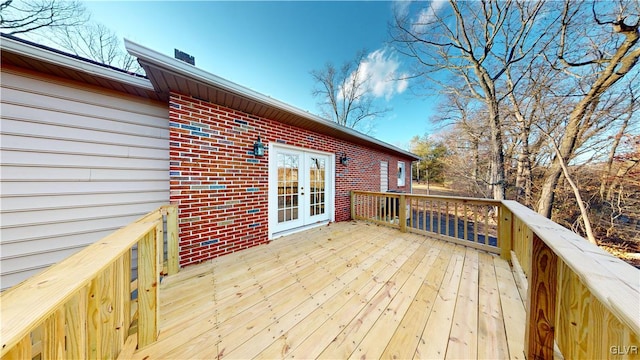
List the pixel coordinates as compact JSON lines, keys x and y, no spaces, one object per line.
{"x":401,"y":173}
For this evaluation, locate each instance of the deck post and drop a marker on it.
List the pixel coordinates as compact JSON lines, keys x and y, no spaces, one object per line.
{"x":402,"y":213}
{"x":160,"y":247}
{"x":148,"y":294}
{"x":505,"y":232}
{"x":541,"y":302}
{"x":352,"y":196}
{"x":173,"y":260}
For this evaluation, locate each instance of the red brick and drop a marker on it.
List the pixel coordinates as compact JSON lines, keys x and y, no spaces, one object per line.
{"x":228,"y":166}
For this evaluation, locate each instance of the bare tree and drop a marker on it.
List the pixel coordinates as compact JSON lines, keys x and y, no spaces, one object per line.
{"x":576,"y":191}
{"x":597,"y":48}
{"x":633,"y":106}
{"x":96,"y":42}
{"x":345,"y":95}
{"x":468,"y":124}
{"x":65,"y":25}
{"x":476,"y":42}
{"x":18,"y":17}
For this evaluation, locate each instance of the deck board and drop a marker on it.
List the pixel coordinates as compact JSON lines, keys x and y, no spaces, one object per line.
{"x":492,"y":340}
{"x":345,"y":290}
{"x":463,"y":339}
{"x":435,"y":337}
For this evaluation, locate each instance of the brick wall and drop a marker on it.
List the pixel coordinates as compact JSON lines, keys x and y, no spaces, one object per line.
{"x":222,"y":188}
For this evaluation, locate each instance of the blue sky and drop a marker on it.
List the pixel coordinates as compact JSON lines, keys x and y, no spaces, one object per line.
{"x":271,"y":47}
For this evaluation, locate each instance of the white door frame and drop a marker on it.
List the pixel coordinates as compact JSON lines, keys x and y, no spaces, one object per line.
{"x":330,"y":194}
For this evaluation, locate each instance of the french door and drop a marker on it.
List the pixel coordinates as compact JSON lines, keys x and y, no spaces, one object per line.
{"x":300,"y":191}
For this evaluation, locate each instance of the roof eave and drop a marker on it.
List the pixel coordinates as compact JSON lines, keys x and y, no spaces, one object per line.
{"x":149,"y":57}
{"x":27,"y":50}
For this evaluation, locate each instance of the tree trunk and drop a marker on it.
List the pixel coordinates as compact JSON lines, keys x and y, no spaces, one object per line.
{"x":523,"y":177}
{"x":496,"y":178}
{"x":583,"y":209}
{"x":476,"y":160}
{"x":564,"y":153}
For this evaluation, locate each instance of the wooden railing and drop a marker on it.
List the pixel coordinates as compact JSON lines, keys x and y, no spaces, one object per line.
{"x":578,"y":296}
{"x":83,"y":306}
{"x":579,"y":299}
{"x":467,"y":221}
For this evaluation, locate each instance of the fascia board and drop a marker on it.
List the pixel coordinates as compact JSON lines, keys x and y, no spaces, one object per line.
{"x":74,"y":64}
{"x":189,"y":71}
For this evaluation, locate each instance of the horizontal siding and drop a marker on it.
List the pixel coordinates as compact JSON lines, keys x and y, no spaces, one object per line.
{"x":52,"y":202}
{"x":19,"y":157}
{"x":61,"y":173}
{"x":20,"y":219}
{"x":76,"y":146}
{"x":29,"y":188}
{"x":21,"y":126}
{"x":77,"y":163}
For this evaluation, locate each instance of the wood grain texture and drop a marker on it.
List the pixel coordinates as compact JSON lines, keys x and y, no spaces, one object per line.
{"x":148,"y":282}
{"x":94,"y":327}
{"x":106,"y":314}
{"x":492,"y":339}
{"x":54,"y":332}
{"x":541,"y":308}
{"x":173,"y":259}
{"x":81,"y":308}
{"x":402,"y":213}
{"x":345,"y":290}
{"x":505,"y":232}
{"x":76,"y":318}
{"x":21,"y":351}
{"x":25,"y":307}
{"x":463,"y":338}
{"x":513,"y":309}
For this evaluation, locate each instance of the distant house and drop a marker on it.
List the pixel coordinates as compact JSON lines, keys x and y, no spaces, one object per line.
{"x":87,"y":148}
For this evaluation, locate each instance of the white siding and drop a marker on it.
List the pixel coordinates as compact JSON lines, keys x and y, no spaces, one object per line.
{"x":76,"y":164}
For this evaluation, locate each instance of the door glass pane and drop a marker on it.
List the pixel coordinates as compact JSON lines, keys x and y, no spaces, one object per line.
{"x":287,"y":187}
{"x":317,"y":169}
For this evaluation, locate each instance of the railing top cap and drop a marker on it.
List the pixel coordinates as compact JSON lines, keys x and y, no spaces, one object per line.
{"x":23,"y":307}
{"x":614,"y":282}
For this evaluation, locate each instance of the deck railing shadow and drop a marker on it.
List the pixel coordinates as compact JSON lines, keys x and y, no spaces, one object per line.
{"x":580,"y":300}
{"x":87,"y":306}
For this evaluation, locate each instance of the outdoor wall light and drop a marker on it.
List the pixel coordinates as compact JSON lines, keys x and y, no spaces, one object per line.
{"x":258,"y":148}
{"x":344,"y":160}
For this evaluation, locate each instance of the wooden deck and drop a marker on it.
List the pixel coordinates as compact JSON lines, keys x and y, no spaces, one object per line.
{"x":345,"y":290}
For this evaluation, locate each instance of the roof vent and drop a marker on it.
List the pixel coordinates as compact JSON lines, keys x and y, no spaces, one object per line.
{"x":185,"y":57}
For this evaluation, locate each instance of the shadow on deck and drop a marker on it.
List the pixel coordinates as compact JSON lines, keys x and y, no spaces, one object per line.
{"x":349,"y":289}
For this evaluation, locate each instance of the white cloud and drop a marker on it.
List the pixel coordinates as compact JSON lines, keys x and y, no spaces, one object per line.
{"x":378,"y":72}
{"x":427,"y":16}
{"x":401,"y":7}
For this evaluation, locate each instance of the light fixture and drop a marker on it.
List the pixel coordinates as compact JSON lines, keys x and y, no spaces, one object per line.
{"x":258,"y":148}
{"x":344,"y":160}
